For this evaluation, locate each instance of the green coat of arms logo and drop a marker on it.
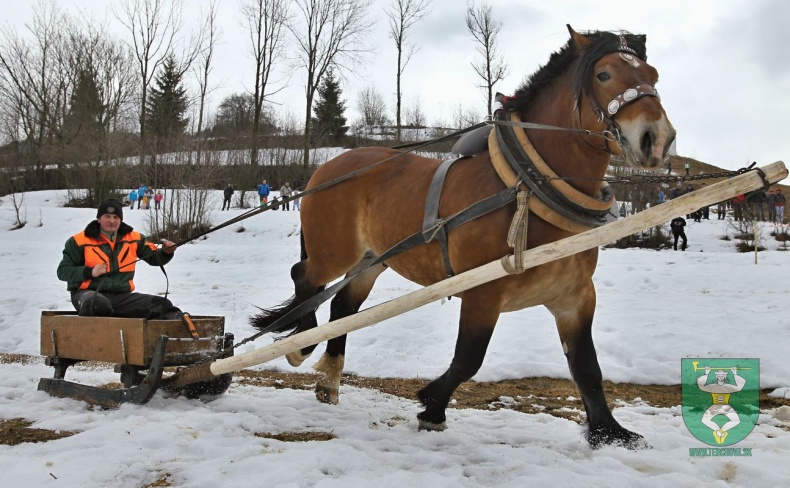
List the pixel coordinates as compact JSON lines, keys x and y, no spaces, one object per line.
{"x":721,"y":398}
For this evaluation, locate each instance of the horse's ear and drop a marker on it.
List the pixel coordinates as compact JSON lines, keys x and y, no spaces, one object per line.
{"x":579,"y":41}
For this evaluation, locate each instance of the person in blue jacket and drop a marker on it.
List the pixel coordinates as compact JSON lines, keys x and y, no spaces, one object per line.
{"x":263,"y":192}
{"x":140,"y":194}
{"x":132,"y":198}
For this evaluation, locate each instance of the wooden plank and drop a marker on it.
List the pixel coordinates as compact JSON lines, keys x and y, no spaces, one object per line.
{"x":93,"y":338}
{"x":657,"y":215}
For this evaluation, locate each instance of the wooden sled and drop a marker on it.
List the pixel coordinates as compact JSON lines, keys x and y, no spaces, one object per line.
{"x":134,"y":345}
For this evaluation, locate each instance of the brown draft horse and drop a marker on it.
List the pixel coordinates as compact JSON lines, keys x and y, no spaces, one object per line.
{"x":367,"y":214}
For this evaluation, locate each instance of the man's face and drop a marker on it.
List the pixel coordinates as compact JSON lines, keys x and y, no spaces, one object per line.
{"x":109,"y":223}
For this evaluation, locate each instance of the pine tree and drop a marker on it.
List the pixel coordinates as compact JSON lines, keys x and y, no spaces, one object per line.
{"x":85,"y":119}
{"x":167,"y":104}
{"x":329,"y":122}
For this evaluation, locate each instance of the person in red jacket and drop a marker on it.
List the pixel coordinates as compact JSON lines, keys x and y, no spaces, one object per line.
{"x":98,"y":266}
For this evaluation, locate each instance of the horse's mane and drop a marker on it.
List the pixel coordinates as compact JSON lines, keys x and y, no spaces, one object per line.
{"x":566,"y":58}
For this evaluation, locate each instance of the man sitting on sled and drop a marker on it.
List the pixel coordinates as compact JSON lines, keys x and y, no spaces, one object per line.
{"x":98,"y":265}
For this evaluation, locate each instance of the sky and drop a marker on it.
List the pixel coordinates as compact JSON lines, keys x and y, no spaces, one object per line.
{"x":653,"y":308}
{"x":723,"y":64}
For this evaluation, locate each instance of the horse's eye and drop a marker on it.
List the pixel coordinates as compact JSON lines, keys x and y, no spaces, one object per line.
{"x":603,"y":76}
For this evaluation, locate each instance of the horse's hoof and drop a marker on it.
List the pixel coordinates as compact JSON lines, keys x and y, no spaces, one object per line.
{"x":326,"y":394}
{"x":616,"y":436}
{"x":296,"y":359}
{"x":431,"y":426}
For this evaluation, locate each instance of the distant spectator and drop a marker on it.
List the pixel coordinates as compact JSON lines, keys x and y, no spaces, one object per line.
{"x":227,"y":194}
{"x":158,"y":199}
{"x":737,"y":207}
{"x":263,"y":192}
{"x":770,"y":201}
{"x":132,"y":198}
{"x":721,"y":208}
{"x":661,"y":197}
{"x":678,"y":226}
{"x":780,"y":206}
{"x":687,"y":167}
{"x":756,"y":201}
{"x":285,"y":192}
{"x":140,"y":194}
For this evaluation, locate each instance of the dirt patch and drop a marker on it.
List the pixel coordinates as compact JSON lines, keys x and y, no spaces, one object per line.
{"x":17,"y":431}
{"x":297,"y":436}
{"x":557,"y":397}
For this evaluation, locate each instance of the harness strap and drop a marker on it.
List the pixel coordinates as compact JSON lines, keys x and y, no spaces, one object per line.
{"x":517,"y":235}
{"x":477,"y":209}
{"x":432,"y":226}
{"x":187,"y":319}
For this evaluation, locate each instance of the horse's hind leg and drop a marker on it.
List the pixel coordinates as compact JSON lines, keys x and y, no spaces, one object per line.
{"x":478,"y":318}
{"x":574,"y":323}
{"x":345,"y":303}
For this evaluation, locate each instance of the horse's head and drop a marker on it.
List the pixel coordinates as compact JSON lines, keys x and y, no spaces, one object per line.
{"x":615,"y":89}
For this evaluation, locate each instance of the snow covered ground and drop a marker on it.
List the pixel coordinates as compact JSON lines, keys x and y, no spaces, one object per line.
{"x":654,"y":308}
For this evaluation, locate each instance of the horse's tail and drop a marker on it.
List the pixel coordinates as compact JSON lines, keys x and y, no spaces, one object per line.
{"x":268,"y":316}
{"x":264,"y":319}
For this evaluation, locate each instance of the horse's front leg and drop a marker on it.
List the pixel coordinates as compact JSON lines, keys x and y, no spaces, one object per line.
{"x":479,"y":315}
{"x":574,"y":323}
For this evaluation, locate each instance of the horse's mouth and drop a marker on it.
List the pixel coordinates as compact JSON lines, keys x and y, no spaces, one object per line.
{"x":651,"y":152}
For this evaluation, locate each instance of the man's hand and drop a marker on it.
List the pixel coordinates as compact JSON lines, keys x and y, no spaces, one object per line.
{"x":707,"y":370}
{"x":98,"y":270}
{"x":168,"y":246}
{"x":734,"y":370}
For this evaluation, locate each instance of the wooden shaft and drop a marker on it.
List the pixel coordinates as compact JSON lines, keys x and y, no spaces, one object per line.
{"x":656,"y":215}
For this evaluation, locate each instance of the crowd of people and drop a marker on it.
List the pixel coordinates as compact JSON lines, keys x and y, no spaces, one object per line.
{"x":143,"y":196}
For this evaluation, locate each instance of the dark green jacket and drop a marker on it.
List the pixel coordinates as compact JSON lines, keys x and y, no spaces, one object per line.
{"x":90,"y":248}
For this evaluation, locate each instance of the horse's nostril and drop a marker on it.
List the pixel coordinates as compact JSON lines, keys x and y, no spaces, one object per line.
{"x":647,"y":143}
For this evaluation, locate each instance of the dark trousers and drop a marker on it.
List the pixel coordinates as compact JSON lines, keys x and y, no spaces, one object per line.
{"x":226,"y":202}
{"x":130,"y":305}
{"x":681,"y":235}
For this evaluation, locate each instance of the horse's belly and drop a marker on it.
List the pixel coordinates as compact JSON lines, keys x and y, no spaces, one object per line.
{"x":566,"y":280}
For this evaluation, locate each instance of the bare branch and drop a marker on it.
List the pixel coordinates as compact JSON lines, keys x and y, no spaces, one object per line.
{"x":485,"y":31}
{"x":330,"y":33}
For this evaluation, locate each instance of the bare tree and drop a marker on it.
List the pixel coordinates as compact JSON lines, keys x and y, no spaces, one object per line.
{"x":265,"y":20}
{"x":204,"y":68}
{"x":485,"y":31}
{"x":402,"y":16}
{"x":330,"y":33}
{"x":414,"y":116}
{"x":153,"y":26}
{"x":35,"y":80}
{"x":371,"y":106}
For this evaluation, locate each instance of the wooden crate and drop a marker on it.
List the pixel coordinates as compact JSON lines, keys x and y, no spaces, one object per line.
{"x":66,"y":335}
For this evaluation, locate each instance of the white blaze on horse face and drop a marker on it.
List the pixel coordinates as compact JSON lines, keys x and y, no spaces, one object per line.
{"x":565,"y":348}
